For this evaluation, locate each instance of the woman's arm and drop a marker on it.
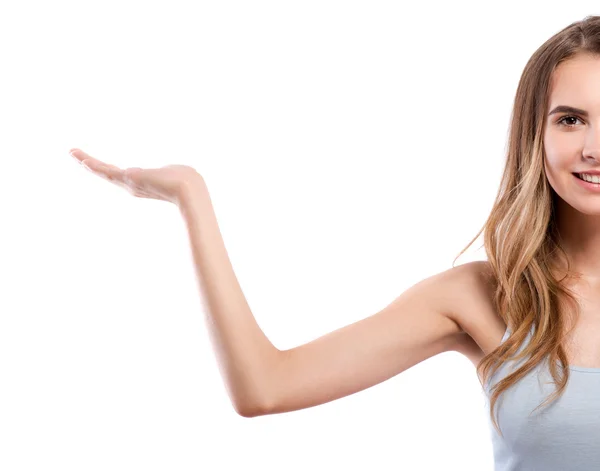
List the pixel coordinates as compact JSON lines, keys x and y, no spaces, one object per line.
{"x":261,"y":379}
{"x":244,"y":354}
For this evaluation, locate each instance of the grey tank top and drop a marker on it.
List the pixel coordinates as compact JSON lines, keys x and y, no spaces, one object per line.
{"x":562,"y":436}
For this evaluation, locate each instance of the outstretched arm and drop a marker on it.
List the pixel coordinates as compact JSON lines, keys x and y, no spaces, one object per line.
{"x":260,"y":379}
{"x":418,"y":324}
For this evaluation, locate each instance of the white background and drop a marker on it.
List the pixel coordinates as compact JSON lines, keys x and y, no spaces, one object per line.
{"x":350,"y":149}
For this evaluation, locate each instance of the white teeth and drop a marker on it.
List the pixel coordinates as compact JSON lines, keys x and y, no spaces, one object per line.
{"x":590,"y":178}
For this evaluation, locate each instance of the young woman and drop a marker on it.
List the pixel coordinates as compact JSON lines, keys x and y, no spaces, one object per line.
{"x":528,"y":317}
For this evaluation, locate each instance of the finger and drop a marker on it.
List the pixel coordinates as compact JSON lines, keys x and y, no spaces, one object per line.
{"x":82,"y":156}
{"x":107,"y":171}
{"x":78,"y":154}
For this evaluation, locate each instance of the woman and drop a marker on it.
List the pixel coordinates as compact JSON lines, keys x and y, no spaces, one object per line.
{"x":527,"y":318}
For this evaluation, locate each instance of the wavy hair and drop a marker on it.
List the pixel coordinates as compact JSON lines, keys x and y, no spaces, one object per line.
{"x":520,"y":234}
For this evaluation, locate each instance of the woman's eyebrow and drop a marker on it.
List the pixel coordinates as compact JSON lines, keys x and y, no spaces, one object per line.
{"x":568,"y":109}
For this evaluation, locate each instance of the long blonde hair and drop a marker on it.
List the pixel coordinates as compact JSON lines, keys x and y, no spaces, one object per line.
{"x":520,"y":234}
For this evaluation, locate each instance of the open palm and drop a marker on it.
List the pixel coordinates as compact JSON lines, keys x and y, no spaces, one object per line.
{"x":165,"y":183}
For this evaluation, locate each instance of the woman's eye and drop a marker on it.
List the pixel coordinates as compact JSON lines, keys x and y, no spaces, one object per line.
{"x":562,"y":121}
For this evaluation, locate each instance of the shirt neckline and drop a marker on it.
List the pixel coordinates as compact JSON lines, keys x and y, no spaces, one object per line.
{"x":582,"y":369}
{"x":575,"y":368}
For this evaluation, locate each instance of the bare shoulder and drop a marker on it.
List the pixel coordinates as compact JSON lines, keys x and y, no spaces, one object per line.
{"x":482,"y":328}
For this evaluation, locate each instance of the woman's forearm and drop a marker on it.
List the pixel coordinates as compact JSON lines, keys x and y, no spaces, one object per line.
{"x":245,"y":355}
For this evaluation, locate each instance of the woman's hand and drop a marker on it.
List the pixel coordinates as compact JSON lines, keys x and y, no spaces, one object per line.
{"x":166,"y":183}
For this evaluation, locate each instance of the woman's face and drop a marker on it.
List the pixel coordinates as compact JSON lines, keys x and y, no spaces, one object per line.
{"x":572,"y":137}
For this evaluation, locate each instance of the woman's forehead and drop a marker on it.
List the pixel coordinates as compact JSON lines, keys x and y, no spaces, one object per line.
{"x":576,"y":82}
